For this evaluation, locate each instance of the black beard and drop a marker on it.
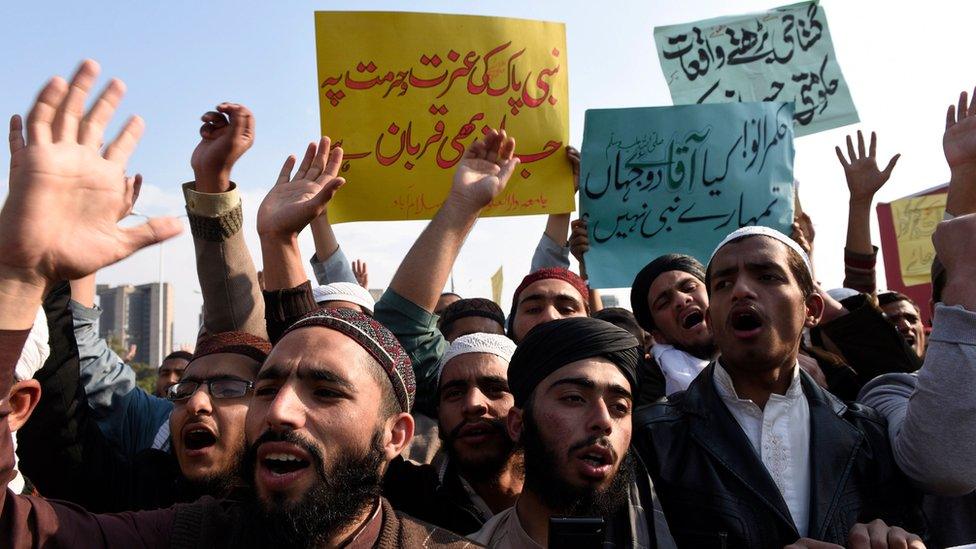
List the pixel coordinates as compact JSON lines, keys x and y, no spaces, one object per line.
{"x":703,"y":352}
{"x":485,"y":468}
{"x":350,"y":486}
{"x":561,"y":497}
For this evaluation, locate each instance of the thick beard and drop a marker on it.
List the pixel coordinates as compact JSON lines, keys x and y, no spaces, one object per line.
{"x":542,"y":479}
{"x":350,"y":486}
{"x":487,"y":468}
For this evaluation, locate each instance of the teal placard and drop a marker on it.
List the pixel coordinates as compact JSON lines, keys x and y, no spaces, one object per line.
{"x":657,"y":180}
{"x":782,"y":54}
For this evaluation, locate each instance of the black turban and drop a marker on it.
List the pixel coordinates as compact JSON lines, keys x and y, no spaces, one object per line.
{"x":552,"y":345}
{"x":647,"y":276}
{"x":472,"y":306}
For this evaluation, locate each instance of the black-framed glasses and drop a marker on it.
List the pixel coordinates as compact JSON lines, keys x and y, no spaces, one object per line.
{"x":224,"y":387}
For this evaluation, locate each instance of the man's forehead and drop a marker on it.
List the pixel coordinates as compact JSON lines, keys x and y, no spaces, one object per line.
{"x":222,"y":364}
{"x":750,"y":247}
{"x":550,"y":288}
{"x":598,"y":371}
{"x":669,"y":280}
{"x":900,"y":306}
{"x":470,"y":366}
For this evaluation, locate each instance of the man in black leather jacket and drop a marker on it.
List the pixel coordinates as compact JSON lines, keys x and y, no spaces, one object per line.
{"x":755,"y":453}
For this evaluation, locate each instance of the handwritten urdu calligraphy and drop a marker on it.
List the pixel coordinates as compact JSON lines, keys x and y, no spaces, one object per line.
{"x":915,"y":219}
{"x":780,"y":55}
{"x":404,"y":94}
{"x":656,"y":180}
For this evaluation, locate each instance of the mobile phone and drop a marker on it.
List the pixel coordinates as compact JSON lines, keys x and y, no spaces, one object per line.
{"x":576,"y":532}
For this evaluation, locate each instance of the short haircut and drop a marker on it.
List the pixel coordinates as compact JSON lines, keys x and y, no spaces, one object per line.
{"x":389,"y":405}
{"x":181,"y":354}
{"x":621,"y":318}
{"x":794,"y":262}
{"x":887,"y":298}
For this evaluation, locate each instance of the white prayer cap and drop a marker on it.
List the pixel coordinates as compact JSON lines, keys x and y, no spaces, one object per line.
{"x":36,"y":349}
{"x":764,"y":231}
{"x":345,"y":291}
{"x":493,"y":344}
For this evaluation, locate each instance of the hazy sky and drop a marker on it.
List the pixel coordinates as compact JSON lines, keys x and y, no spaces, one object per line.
{"x":179,"y":59}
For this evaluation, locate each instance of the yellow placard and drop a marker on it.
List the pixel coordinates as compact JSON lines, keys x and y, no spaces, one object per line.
{"x":915,"y":220}
{"x":497,"y":282}
{"x":406,"y":93}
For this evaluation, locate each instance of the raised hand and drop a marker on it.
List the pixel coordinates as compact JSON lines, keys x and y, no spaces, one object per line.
{"x":959,"y":140}
{"x":573,"y":156}
{"x":864,"y":178}
{"x":226,"y":134}
{"x":484,"y":170}
{"x":362,"y":275}
{"x":294,"y":202}
{"x":60,"y":219}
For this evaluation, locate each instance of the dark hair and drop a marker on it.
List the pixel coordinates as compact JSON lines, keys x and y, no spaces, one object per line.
{"x":621,"y":318}
{"x":181,"y":354}
{"x":794,"y":262}
{"x":389,"y":405}
{"x":472,"y":306}
{"x":646,"y":277}
{"x":887,"y":298}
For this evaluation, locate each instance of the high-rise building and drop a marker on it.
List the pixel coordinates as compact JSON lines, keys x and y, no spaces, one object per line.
{"x":131,"y":316}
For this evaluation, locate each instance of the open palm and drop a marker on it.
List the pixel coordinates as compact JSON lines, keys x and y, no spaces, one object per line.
{"x":485,"y":169}
{"x":959,"y":140}
{"x":864,"y":178}
{"x":294,"y":202}
{"x":60,"y":220}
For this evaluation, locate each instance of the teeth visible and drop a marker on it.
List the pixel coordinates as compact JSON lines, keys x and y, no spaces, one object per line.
{"x":282,"y":457}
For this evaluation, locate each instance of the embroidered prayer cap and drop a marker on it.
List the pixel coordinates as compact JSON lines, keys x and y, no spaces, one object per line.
{"x":376,"y":339}
{"x":345,"y":291}
{"x":238,"y":343}
{"x":36,"y":349}
{"x":557,"y":273}
{"x":552,"y":345}
{"x":493,"y":344}
{"x":471,"y":307}
{"x":764,"y":231}
{"x":646,"y":277}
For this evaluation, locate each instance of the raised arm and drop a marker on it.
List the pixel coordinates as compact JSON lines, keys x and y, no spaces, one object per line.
{"x":552,"y":250}
{"x":329,"y":263}
{"x":61,"y":167}
{"x":864,"y":179}
{"x":287,"y":209}
{"x":228,"y":280}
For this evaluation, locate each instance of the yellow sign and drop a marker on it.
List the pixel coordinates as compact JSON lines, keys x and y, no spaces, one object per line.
{"x":915,"y":220}
{"x":497,"y":282}
{"x":406,"y":93}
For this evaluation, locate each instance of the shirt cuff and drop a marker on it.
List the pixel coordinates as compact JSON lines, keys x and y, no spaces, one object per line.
{"x":80,"y":312}
{"x":210,"y":204}
{"x":954,"y":324}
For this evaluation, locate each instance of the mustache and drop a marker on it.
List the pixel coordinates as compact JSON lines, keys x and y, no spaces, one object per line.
{"x":290,"y":437}
{"x":598,"y":440}
{"x":494,"y":423}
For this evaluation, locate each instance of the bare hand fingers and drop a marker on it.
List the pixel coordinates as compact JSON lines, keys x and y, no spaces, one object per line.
{"x":45,"y":107}
{"x":506,"y":150}
{"x":891,"y":166}
{"x":874,"y":145}
{"x":476,"y":150}
{"x":241,"y":120}
{"x":326,"y":194}
{"x":92,"y":130}
{"x":962,"y":107}
{"x":860,"y":144}
{"x":850,"y":149}
{"x":306,"y":161}
{"x":840,"y":156}
{"x":507,"y":169}
{"x":156,"y":230}
{"x":972,"y":104}
{"x":318,"y":163}
{"x":16,"y":137}
{"x":121,"y":149}
{"x":285,"y":174}
{"x":951,"y":116}
{"x":69,"y":113}
{"x":334,"y":163}
{"x":213,"y":122}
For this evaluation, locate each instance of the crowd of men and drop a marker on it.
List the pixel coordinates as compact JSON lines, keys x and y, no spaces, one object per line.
{"x":740,"y":404}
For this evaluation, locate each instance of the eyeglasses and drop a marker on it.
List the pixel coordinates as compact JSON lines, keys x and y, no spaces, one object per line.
{"x":225,"y":387}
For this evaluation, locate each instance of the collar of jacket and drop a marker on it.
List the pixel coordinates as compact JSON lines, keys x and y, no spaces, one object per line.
{"x":834,"y":444}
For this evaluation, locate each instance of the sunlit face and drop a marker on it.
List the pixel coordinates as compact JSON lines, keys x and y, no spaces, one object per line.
{"x":208,"y":432}
{"x":472,"y":325}
{"x":678,"y":303}
{"x":543,"y":301}
{"x":582,"y":414}
{"x":757,"y":310}
{"x":474,"y":401}
{"x":316,"y":388}
{"x":906,"y":318}
{"x":169,"y":373}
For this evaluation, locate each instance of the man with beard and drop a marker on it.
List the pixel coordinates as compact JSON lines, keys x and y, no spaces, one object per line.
{"x":572,"y":381}
{"x":748,"y":455}
{"x":482,"y":472}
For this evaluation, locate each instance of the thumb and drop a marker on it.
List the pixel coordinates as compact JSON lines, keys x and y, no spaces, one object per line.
{"x":508,"y":168}
{"x":890,"y":166}
{"x":327,"y":192}
{"x":151,"y":232}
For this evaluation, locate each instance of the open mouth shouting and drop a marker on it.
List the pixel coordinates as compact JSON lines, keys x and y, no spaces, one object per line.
{"x":476,"y":433}
{"x":691,"y":318}
{"x":198,"y":439}
{"x":746,"y":322}
{"x":595,"y":461}
{"x":280,"y":465}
